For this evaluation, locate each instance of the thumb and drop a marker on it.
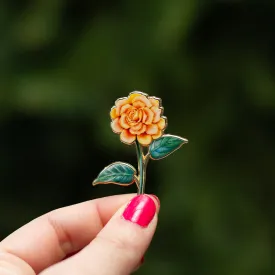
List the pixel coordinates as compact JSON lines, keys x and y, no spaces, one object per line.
{"x":121,"y":244}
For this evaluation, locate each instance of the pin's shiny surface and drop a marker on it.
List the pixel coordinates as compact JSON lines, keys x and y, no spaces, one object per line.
{"x":139,"y":119}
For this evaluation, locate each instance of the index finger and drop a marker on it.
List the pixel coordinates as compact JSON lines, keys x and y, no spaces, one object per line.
{"x":51,"y":237}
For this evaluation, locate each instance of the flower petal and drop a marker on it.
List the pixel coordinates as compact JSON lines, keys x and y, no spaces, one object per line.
{"x":113,"y":113}
{"x":134,"y":94}
{"x":138,"y":132}
{"x":144,"y":139}
{"x":149,"y":116}
{"x":137,"y":127}
{"x":162,"y":123}
{"x":139,"y":104}
{"x":135,"y":116}
{"x":116,"y":126}
{"x":119,"y":103}
{"x":140,"y":114}
{"x":144,"y":116}
{"x":152,"y":129}
{"x":143,"y":99}
{"x":158,"y":135}
{"x":127,"y":137}
{"x":155,"y":101}
{"x":125,"y":108}
{"x":157,"y":114}
{"x":123,"y":121}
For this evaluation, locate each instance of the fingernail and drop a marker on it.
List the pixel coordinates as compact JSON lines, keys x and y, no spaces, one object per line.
{"x":141,"y":210}
{"x":156,"y":198}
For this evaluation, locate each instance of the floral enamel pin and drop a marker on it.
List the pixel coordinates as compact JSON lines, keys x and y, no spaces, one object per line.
{"x":139,"y":119}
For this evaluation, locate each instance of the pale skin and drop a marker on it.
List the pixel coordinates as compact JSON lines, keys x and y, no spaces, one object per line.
{"x":82,"y":239}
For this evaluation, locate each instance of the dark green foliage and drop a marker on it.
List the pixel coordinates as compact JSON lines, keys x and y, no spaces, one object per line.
{"x":165,"y":146}
{"x":117,"y":173}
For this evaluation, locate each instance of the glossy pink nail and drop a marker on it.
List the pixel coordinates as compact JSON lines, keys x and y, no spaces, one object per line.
{"x":156,"y":198}
{"x":141,"y":210}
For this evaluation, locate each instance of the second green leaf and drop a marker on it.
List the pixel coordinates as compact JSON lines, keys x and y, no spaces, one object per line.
{"x":164,"y":146}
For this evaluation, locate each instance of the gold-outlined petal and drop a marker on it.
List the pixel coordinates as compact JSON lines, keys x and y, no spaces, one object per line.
{"x":137,"y":126}
{"x":123,"y":121}
{"x":157,"y":113}
{"x":134,"y":94}
{"x":137,"y":92}
{"x":152,"y":129}
{"x":113,"y":112}
{"x":142,"y":99}
{"x":125,"y":108}
{"x":158,"y":135}
{"x":144,"y":139}
{"x":157,"y":99}
{"x":163,"y":122}
{"x":138,"y":104}
{"x":127,"y":138}
{"x":138,"y":132}
{"x":149,"y":116}
{"x":115,"y":125}
{"x":120,"y":102}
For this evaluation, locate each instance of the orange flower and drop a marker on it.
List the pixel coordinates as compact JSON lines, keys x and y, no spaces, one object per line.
{"x":138,"y":117}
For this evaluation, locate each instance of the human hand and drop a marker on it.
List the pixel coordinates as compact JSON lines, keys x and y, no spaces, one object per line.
{"x":106,"y":236}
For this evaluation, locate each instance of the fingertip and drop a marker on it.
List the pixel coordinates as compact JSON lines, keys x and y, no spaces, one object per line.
{"x":156,"y":199}
{"x":140,"y":210}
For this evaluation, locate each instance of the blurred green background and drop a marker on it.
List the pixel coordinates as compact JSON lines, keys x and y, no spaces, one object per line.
{"x":63,"y":63}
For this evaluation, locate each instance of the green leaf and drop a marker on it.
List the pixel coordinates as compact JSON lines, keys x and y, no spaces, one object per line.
{"x":164,"y":146}
{"x":119,"y":173}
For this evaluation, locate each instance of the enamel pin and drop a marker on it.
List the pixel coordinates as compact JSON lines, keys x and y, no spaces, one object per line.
{"x":139,"y":119}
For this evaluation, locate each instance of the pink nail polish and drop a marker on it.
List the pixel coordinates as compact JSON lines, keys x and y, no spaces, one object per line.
{"x":140,"y":210}
{"x":156,"y":198}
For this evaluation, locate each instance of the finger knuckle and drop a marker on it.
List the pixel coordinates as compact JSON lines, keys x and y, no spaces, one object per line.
{"x":63,"y":237}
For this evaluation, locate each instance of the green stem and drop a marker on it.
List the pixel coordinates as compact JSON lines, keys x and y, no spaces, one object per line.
{"x":142,"y":162}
